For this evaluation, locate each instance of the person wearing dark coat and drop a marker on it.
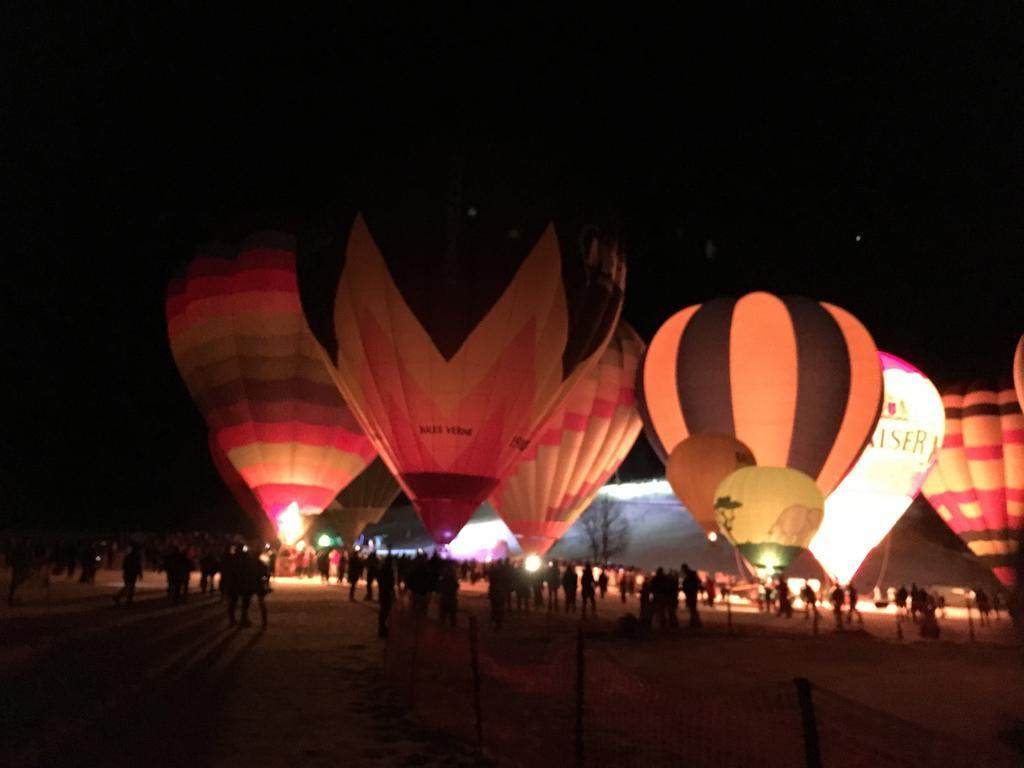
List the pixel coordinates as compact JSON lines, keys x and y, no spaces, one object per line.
{"x":355,"y":570}
{"x":372,"y":567}
{"x":208,"y":567}
{"x":131,"y":569}
{"x":323,"y":564}
{"x":448,"y":594}
{"x":588,"y":589}
{"x":691,"y":592}
{"x":385,"y":595}
{"x":253,"y":575}
{"x":569,"y":583}
{"x":498,"y":589}
{"x":231,"y":580}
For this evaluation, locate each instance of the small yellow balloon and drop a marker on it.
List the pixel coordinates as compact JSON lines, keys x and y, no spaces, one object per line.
{"x":769,"y":514}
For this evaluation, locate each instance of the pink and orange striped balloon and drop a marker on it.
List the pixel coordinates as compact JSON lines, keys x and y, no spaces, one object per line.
{"x":977,"y":485}
{"x":577,"y":450}
{"x":243,"y":348}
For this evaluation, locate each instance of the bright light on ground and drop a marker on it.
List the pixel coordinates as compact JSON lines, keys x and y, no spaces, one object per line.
{"x":532,"y":563}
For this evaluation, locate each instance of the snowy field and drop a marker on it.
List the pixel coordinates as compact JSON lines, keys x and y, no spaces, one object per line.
{"x":89,"y":684}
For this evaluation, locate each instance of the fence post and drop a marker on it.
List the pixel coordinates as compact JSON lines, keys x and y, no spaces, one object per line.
{"x":412,"y":660}
{"x":728,"y":611}
{"x":899,"y":625}
{"x":580,"y":677}
{"x":812,"y":749}
{"x":970,"y":621}
{"x":474,"y":662}
{"x":814,"y":618}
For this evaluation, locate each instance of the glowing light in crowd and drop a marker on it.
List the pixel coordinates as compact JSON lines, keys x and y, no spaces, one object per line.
{"x":712,"y":537}
{"x":479,"y":540}
{"x":324,"y":540}
{"x":887,"y":476}
{"x":532,"y":563}
{"x":290,"y":525}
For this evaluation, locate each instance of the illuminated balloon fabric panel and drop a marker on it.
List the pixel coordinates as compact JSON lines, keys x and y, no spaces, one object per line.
{"x":452,"y":366}
{"x":796,"y":380}
{"x":236,"y":484}
{"x":1018,"y":371}
{"x":242,"y":346}
{"x":977,"y":485}
{"x":363,"y":502}
{"x":888,"y":474}
{"x":697,"y":465}
{"x":578,"y":449}
{"x":769,"y":514}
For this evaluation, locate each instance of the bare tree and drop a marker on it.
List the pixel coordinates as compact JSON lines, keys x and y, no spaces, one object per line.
{"x":607,"y":529}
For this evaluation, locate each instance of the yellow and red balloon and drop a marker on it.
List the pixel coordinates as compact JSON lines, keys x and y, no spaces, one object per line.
{"x":977,"y":485}
{"x":578,"y":449}
{"x":453,"y":343}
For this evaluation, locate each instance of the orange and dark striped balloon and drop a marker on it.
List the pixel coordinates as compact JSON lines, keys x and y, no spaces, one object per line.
{"x":977,"y":485}
{"x":796,"y":380}
{"x":245,"y":352}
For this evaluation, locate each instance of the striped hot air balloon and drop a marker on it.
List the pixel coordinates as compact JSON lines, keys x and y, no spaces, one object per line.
{"x":977,"y":485}
{"x":454,"y":342}
{"x":797,"y":381}
{"x":580,"y":446}
{"x":363,"y":502}
{"x":243,"y":348}
{"x":239,"y":490}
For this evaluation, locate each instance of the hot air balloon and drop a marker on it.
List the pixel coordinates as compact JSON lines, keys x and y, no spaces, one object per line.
{"x":577,"y":450}
{"x":797,"y":381}
{"x":455,"y":331}
{"x":697,"y":465}
{"x":242,"y":345}
{"x":887,"y":476}
{"x":364,"y":501}
{"x":1018,"y":371}
{"x":977,"y":485}
{"x":239,"y":490}
{"x":768,"y":513}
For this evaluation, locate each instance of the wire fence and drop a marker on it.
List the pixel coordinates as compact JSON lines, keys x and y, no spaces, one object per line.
{"x":542,"y":697}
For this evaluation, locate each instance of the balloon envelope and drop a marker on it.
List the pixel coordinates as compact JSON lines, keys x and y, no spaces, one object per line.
{"x":769,"y":514}
{"x":454,"y":345}
{"x":697,"y":465}
{"x":977,"y":485}
{"x":797,"y":381}
{"x":578,"y":449}
{"x":242,"y":346}
{"x":241,"y":492}
{"x":887,"y":476}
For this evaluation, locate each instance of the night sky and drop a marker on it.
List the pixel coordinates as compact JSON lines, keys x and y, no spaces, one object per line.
{"x":874,"y":160}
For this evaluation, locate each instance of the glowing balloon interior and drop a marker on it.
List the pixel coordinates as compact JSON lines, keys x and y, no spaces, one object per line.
{"x":887,"y":476}
{"x":769,"y":514}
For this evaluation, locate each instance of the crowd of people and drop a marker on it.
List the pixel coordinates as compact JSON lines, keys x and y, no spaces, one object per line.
{"x":239,"y":571}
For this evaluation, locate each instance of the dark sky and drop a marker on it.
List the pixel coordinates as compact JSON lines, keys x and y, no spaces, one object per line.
{"x":131,"y":136}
